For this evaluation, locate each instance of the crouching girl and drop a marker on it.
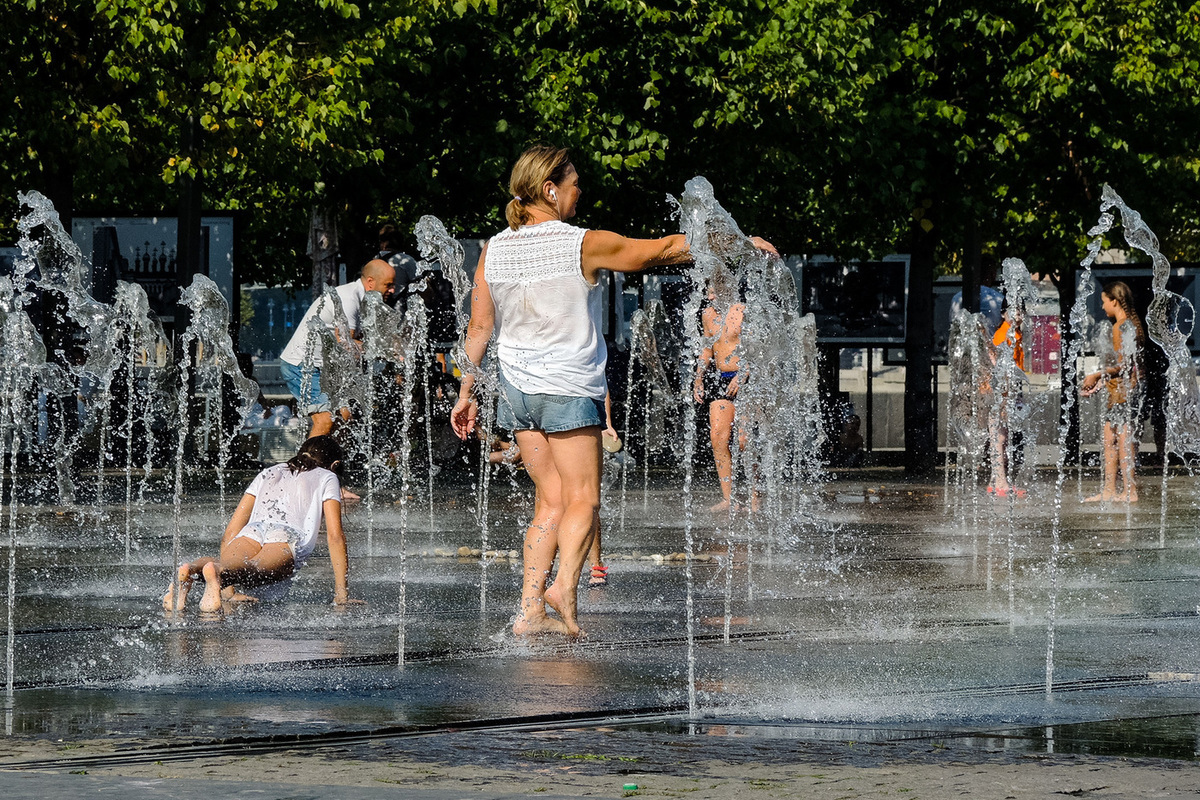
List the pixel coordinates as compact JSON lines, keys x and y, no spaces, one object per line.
{"x":273,"y":532}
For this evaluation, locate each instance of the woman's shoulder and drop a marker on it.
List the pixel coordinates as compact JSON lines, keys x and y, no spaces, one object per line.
{"x":550,"y":228}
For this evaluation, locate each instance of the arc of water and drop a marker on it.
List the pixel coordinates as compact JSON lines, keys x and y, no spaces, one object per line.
{"x":381,"y":344}
{"x":1077,"y":324}
{"x":209,"y":326}
{"x":966,"y":418}
{"x":777,"y":351}
{"x":1169,"y":323}
{"x":659,"y":401}
{"x":23,"y":370}
{"x":1012,"y":399}
{"x":141,"y":335}
{"x":436,"y":244}
{"x":416,"y":342}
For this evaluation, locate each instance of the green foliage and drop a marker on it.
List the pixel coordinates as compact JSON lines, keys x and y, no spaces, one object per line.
{"x":833,"y":126}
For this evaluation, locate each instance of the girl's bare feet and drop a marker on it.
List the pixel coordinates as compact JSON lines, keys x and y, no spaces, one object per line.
{"x":185,"y":583}
{"x":211,"y":601}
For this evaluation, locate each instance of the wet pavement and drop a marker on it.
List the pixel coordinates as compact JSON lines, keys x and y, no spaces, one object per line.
{"x":873,"y":612}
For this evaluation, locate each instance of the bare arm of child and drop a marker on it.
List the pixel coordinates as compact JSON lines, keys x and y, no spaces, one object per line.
{"x":240,"y":518}
{"x":336,"y":539}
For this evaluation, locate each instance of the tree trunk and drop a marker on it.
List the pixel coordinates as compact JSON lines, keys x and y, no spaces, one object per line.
{"x":920,"y":417}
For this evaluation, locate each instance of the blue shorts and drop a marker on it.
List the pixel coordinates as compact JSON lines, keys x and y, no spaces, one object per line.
{"x":317,"y":400}
{"x":550,"y":413}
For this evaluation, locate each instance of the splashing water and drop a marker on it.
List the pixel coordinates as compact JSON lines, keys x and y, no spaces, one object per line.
{"x":777,"y":366}
{"x":659,"y":400}
{"x":1169,"y":322}
{"x":214,"y":360}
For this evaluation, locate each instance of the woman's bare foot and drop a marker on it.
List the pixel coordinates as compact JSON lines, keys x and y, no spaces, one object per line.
{"x":565,"y":605}
{"x":719,"y":507}
{"x":238,"y":597}
{"x":185,"y":583}
{"x":211,"y":601}
{"x":538,"y":623}
{"x":1103,"y":497}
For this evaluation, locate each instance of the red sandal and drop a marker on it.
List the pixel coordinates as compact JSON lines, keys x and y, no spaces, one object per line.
{"x":599,"y":576}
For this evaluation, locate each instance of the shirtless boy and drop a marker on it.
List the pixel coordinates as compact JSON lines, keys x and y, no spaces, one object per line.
{"x":717,"y":378}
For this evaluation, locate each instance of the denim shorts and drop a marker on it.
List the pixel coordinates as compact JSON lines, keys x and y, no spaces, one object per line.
{"x":317,"y":401}
{"x":550,"y":413}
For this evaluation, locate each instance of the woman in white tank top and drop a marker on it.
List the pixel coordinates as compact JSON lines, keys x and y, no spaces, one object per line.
{"x":536,"y":289}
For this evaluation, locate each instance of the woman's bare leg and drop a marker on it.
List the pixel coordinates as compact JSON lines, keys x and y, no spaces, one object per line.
{"x":577,"y":459}
{"x":720,"y":424}
{"x":541,"y":537}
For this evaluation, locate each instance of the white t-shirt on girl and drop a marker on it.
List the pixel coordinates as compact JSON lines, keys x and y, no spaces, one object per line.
{"x":293,"y":501}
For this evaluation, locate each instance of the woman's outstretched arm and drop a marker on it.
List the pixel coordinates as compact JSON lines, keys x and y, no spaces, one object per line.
{"x":612,"y":251}
{"x":608,"y":250}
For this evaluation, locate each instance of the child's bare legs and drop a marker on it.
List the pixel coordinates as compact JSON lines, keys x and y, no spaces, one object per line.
{"x":245,"y":562}
{"x":1112,"y":459}
{"x":755,"y":494}
{"x":720,"y":424}
{"x":186,"y":574}
{"x":1127,"y":458}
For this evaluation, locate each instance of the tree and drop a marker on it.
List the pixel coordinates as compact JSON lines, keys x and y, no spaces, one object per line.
{"x":278,"y":94}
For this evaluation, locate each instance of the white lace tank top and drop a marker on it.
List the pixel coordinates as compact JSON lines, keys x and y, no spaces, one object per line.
{"x":548,"y":317}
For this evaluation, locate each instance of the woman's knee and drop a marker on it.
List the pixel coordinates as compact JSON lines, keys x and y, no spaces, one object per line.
{"x":548,"y":505}
{"x":580,"y":498}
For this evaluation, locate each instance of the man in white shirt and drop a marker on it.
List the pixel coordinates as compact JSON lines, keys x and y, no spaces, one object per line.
{"x":377,"y":276}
